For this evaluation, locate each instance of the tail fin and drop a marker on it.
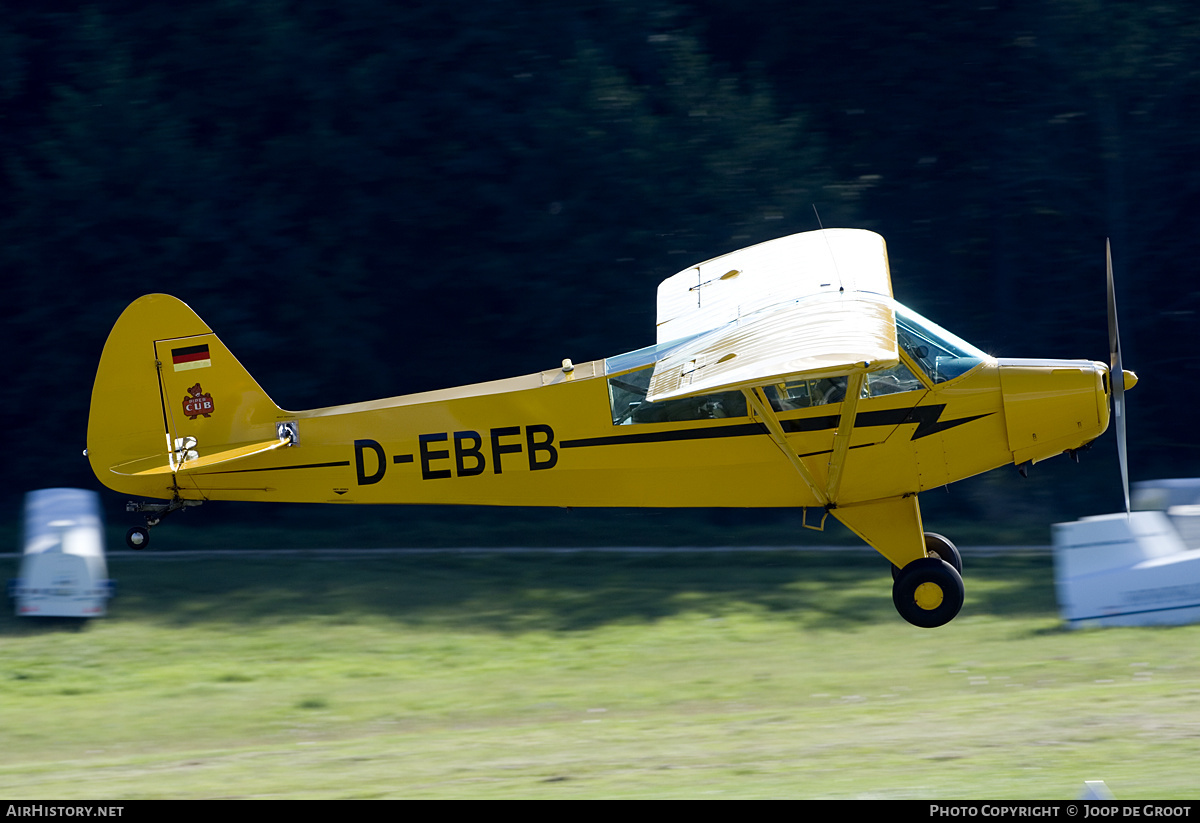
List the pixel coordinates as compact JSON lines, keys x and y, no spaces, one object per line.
{"x":169,"y":397}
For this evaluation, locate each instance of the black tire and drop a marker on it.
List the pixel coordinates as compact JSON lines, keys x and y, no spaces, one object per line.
{"x":938,"y":546}
{"x":928,"y":592}
{"x":137,"y":538}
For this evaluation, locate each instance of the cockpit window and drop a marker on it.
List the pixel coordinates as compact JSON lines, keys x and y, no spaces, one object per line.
{"x":627,"y":399}
{"x":899,"y":378}
{"x":803,"y":394}
{"x":940,"y":354}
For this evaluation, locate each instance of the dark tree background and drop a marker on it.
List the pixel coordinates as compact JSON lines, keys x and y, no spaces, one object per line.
{"x":366,"y":199}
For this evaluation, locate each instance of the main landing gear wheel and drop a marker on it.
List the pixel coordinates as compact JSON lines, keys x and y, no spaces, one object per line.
{"x":928,"y":592}
{"x":938,"y":546}
{"x":137,"y":538}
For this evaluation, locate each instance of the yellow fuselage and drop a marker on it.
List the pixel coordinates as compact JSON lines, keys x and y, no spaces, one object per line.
{"x":549,"y":439}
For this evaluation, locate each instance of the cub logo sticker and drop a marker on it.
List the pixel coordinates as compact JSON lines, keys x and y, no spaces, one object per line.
{"x":197,"y":403}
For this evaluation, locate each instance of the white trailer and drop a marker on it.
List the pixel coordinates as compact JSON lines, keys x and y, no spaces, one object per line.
{"x":63,"y":571}
{"x":1141,"y":569}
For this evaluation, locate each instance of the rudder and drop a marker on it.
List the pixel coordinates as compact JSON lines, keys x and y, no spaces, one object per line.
{"x":165,"y":379}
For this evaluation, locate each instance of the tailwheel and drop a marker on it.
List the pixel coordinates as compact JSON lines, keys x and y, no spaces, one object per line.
{"x":139,"y":536}
{"x":928,"y":592}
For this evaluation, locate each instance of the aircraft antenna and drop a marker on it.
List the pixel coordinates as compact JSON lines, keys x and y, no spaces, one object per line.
{"x":828,"y":245}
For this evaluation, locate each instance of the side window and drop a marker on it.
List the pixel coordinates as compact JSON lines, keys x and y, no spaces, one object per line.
{"x":897,"y":379}
{"x":627,"y":394}
{"x":627,"y":400}
{"x":802,"y":394}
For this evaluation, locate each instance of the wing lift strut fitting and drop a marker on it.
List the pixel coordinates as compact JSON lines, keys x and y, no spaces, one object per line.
{"x":826,"y":495}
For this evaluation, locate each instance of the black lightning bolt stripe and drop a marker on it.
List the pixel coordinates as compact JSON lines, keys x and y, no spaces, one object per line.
{"x":737,"y":430}
{"x":927,"y":418}
{"x":928,"y":422}
{"x":811,"y":424}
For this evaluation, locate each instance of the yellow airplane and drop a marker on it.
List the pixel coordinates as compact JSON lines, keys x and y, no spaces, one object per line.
{"x":784,"y":374}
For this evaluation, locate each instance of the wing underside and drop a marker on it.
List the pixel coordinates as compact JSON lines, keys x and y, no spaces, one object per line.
{"x":824,"y":336}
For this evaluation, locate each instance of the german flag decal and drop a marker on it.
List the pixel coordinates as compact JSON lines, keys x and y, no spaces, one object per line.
{"x":191,"y":357}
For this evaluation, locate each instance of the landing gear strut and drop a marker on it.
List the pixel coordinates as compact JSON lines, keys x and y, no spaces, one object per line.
{"x":139,"y":536}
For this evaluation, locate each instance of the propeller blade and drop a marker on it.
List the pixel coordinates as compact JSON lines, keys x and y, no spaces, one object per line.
{"x":1116,"y":375}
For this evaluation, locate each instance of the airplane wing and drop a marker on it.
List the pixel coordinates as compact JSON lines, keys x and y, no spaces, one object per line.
{"x":735,"y":285}
{"x":823,"y":336}
{"x":816,"y":304}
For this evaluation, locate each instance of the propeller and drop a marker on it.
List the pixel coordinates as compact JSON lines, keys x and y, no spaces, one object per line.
{"x":1117,"y":375}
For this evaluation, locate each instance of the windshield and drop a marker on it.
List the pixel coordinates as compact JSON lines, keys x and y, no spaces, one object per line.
{"x":940,"y":354}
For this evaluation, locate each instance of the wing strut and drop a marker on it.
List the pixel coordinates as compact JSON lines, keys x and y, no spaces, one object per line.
{"x":827,"y":495}
{"x":763,"y":409}
{"x":841,"y":440}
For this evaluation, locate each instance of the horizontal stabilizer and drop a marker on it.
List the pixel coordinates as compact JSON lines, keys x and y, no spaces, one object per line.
{"x":184,"y":460}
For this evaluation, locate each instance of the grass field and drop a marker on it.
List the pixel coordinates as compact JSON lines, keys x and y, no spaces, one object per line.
{"x":739,"y":675}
